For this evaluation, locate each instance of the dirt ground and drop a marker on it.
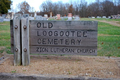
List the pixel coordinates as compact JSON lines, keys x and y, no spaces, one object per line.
{"x":2,"y":53}
{"x":102,"y":67}
{"x":115,"y":23}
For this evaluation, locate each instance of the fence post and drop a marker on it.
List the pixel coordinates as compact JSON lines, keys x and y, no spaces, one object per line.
{"x":17,"y":42}
{"x":25,"y":41}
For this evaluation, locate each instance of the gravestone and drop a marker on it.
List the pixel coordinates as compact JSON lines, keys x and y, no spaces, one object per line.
{"x":8,"y":16}
{"x":25,"y":15}
{"x":4,"y":15}
{"x":116,"y":16}
{"x":31,"y":18}
{"x":93,"y":17}
{"x":6,"y":19}
{"x":73,"y":17}
{"x":98,"y":17}
{"x":1,"y":19}
{"x":46,"y":16}
{"x":58,"y":17}
{"x":109,"y":17}
{"x":77,"y":18}
{"x":69,"y":16}
{"x":62,"y":18}
{"x":104,"y":17}
{"x":38,"y":17}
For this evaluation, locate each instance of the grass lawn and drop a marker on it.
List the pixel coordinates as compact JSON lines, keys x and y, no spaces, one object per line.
{"x":108,"y":38}
{"x":5,"y":37}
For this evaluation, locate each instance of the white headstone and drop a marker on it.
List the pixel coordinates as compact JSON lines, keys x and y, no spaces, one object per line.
{"x":1,"y":19}
{"x":4,"y":15}
{"x":25,"y":15}
{"x":69,"y":16}
{"x":77,"y":18}
{"x":98,"y":17}
{"x":39,"y":17}
{"x":31,"y":18}
{"x":109,"y":17}
{"x":104,"y":17}
{"x":8,"y":16}
{"x":45,"y":15}
{"x":93,"y":17}
{"x":44,"y":18}
{"x":62,"y":18}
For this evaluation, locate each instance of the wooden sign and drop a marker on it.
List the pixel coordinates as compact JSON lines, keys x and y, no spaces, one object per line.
{"x":63,"y":37}
{"x":51,"y":37}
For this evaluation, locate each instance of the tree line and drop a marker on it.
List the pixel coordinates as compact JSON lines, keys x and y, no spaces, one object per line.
{"x":82,"y":8}
{"x":76,"y":7}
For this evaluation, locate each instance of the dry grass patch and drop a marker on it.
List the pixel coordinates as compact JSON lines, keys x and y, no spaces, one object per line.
{"x":106,"y":35}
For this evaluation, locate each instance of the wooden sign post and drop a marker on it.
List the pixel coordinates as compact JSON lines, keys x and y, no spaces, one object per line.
{"x":53,"y":37}
{"x":25,"y":41}
{"x":17,"y":41}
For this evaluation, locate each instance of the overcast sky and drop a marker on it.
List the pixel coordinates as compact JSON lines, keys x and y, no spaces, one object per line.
{"x":36,"y":3}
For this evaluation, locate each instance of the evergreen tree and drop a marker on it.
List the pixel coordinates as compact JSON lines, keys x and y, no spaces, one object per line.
{"x":4,"y":6}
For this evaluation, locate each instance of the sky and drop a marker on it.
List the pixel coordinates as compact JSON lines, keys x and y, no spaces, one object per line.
{"x":36,"y":3}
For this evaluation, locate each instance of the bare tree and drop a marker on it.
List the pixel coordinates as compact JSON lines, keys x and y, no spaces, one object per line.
{"x":23,"y":7}
{"x":32,"y":9}
{"x":108,"y":8}
{"x":81,"y":8}
{"x":94,"y":10}
{"x":76,"y":8}
{"x":47,"y":6}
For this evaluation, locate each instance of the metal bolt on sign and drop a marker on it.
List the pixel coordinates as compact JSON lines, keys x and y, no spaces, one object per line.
{"x":25,"y":27}
{"x":16,"y":26}
{"x":16,"y":50}
{"x":25,"y":50}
